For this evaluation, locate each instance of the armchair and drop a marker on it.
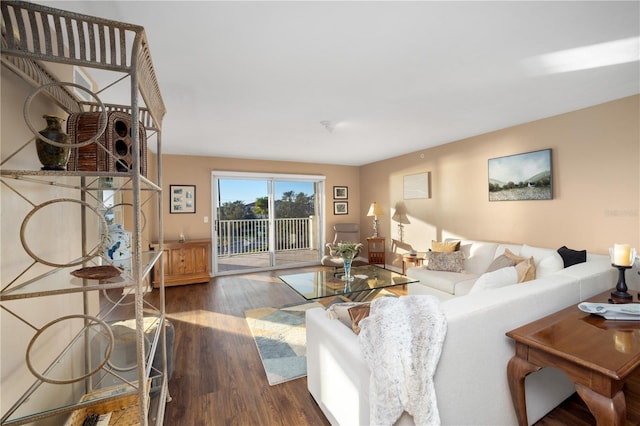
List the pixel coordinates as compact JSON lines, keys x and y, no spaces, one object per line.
{"x":347,"y":233}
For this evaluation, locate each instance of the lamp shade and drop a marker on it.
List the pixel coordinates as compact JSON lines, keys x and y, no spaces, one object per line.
{"x":375,"y":210}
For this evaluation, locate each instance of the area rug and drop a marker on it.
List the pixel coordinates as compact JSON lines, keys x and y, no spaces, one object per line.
{"x":280,"y":336}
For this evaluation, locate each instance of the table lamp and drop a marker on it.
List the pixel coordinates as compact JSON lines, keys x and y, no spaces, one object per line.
{"x":375,"y":210}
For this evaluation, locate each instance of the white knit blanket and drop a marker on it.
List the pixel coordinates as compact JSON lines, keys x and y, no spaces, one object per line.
{"x":401,"y":340}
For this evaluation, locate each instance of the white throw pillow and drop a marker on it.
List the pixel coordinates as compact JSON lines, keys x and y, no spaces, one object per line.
{"x":547,"y":261}
{"x":496,"y":279}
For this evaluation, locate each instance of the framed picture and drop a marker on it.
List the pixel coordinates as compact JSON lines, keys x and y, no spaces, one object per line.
{"x":182,"y":198}
{"x":524,"y":176}
{"x":340,"y":192}
{"x":416,"y":186}
{"x":340,"y":207}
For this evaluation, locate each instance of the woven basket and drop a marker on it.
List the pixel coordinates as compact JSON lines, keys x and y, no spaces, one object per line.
{"x":124,"y":411}
{"x":112,"y":150}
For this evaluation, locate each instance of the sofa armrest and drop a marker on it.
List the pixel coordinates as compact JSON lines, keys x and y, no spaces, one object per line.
{"x":336,"y":371}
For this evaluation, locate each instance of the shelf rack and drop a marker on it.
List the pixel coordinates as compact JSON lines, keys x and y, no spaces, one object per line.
{"x":36,"y":39}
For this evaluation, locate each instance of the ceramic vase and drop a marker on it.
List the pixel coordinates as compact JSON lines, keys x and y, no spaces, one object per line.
{"x":51,"y":156}
{"x":118,"y":245}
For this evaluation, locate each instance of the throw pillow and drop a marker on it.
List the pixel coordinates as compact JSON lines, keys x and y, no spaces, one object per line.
{"x":445,"y":246}
{"x":496,"y":279}
{"x":548,"y":261}
{"x":526,"y":270}
{"x":357,"y":314}
{"x":450,"y":262}
{"x":340,"y":311}
{"x":513,"y":256}
{"x":502,"y":261}
{"x":572,"y":257}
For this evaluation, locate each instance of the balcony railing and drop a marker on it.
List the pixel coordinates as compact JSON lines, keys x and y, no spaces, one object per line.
{"x":236,"y":237}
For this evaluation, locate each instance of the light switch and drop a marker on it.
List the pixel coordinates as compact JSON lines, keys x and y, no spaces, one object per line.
{"x":206,"y":219}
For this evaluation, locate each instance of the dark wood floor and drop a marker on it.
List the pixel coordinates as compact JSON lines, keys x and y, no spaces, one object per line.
{"x":219,"y":379}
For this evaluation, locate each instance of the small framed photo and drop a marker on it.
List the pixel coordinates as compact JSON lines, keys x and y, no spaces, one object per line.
{"x":340,"y":207}
{"x":340,"y":192}
{"x":182,"y":198}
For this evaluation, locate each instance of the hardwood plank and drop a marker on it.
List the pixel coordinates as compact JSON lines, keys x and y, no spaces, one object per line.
{"x":218,"y":375}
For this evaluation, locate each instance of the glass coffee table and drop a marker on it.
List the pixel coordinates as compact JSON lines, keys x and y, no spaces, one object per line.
{"x":367,"y":281}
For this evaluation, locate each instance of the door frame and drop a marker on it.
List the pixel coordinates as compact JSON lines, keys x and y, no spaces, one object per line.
{"x":271,"y":177}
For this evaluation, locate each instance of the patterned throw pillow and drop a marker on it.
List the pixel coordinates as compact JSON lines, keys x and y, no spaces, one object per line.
{"x":449,"y":262}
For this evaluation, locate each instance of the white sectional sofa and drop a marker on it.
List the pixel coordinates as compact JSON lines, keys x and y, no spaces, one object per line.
{"x":471,"y":379}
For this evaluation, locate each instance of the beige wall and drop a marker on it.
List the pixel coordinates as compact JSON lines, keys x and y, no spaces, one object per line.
{"x":596,"y":184}
{"x":596,"y":179}
{"x":194,"y":170}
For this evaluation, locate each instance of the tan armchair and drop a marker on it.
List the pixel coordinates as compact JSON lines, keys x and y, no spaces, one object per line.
{"x":344,"y":233}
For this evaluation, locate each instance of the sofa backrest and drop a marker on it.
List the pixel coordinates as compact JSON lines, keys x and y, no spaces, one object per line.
{"x":478,"y":255}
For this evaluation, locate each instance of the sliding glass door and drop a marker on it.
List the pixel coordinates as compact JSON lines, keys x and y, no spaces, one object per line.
{"x":265,"y":221}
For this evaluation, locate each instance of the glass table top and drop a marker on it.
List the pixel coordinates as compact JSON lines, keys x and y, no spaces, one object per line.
{"x":326,"y":283}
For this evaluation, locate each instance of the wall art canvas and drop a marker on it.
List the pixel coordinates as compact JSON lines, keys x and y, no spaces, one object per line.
{"x":524,"y":176}
{"x":182,"y":199}
{"x":416,"y":186}
{"x":340,"y":207}
{"x":340,"y":192}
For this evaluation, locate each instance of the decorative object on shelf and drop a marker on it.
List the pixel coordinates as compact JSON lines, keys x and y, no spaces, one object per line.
{"x":53,"y":157}
{"x":102,"y":272}
{"x":340,"y":192}
{"x":375,"y":210}
{"x":622,"y":257}
{"x":182,"y":199}
{"x":347,"y":251}
{"x":181,"y":238}
{"x":118,"y":245}
{"x":340,"y":207}
{"x":517,"y":177}
{"x":111,"y":151}
{"x":416,"y":186}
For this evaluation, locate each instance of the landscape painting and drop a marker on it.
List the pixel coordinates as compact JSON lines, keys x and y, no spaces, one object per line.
{"x":521,"y":177}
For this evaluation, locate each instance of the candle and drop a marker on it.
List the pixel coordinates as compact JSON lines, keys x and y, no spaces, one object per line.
{"x":622,"y":254}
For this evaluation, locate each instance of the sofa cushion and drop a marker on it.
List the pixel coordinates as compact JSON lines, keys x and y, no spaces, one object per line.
{"x":450,"y":262}
{"x":446,"y":282}
{"x":572,"y":257}
{"x":478,"y":256}
{"x":495,"y":279}
{"x":547,"y":261}
{"x":445,"y":246}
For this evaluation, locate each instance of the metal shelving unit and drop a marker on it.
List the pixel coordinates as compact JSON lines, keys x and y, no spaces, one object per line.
{"x":35,"y":41}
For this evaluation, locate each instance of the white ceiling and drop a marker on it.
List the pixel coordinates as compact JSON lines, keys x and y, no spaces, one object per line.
{"x":256,"y":79}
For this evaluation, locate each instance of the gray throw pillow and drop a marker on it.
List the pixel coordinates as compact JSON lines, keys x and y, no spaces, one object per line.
{"x":500,"y":262}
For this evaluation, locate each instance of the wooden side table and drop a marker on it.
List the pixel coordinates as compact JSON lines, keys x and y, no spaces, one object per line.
{"x":414,"y":259}
{"x":598,"y":355}
{"x":376,"y":251}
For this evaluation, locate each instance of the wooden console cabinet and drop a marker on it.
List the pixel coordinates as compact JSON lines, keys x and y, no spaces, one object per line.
{"x":184,"y":263}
